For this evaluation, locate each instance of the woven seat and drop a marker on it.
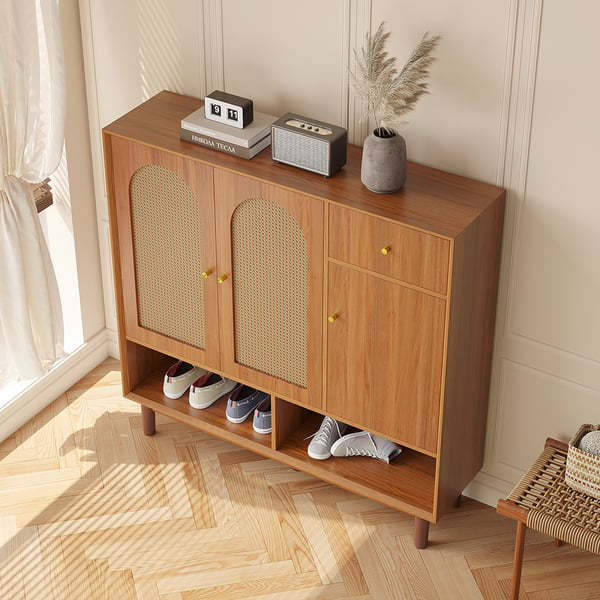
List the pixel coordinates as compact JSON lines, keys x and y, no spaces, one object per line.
{"x":543,"y":501}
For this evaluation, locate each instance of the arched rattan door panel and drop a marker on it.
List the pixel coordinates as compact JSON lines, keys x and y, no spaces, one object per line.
{"x":168,"y":237}
{"x":167,"y":231}
{"x":273,"y":298}
{"x":270,"y":291}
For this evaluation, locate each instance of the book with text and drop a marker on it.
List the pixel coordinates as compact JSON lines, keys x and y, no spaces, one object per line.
{"x":246,"y":137}
{"x":224,"y":146}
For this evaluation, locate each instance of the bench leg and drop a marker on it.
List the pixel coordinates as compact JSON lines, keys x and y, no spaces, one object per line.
{"x":421,"y":533}
{"x":518,"y":560}
{"x":148,"y":421}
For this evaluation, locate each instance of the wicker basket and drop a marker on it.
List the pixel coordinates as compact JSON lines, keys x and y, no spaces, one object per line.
{"x":583,"y":469}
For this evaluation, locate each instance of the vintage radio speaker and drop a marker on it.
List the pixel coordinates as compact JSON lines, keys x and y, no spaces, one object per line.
{"x":309,"y":144}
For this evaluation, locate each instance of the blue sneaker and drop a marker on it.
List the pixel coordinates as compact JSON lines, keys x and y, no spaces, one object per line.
{"x":242,"y":402}
{"x":262,"y":417}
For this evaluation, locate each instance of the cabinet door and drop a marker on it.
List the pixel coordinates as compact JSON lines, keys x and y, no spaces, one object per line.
{"x":165,"y":226}
{"x":384,"y":357}
{"x":270,"y":249}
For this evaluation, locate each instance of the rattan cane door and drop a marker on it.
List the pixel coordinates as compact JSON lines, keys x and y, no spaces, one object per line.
{"x":166,"y":243}
{"x":270,"y":252}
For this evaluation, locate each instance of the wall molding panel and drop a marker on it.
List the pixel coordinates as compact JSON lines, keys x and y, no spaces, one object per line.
{"x":213,"y":63}
{"x":539,"y":388}
{"x":522,"y":39}
{"x":359,"y":22}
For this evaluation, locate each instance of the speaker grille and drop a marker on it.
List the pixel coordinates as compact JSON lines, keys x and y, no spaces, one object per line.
{"x":166,"y":238}
{"x":270,"y":282}
{"x":300,"y":151}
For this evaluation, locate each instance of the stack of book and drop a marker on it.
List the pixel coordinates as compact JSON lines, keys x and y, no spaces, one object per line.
{"x":246,"y":142}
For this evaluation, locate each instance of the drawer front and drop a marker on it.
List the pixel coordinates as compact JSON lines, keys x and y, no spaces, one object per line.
{"x":391,"y":249}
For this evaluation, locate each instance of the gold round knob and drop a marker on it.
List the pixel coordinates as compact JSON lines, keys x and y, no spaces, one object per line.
{"x":221,"y":278}
{"x":386,"y":250}
{"x":207,"y":273}
{"x":333,"y":317}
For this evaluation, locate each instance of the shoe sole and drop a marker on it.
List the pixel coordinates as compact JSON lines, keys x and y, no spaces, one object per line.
{"x":175,"y":396}
{"x":240,"y":419}
{"x":319,"y":457}
{"x":263,"y":431}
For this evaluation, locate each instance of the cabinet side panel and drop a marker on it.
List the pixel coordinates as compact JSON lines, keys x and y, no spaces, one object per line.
{"x":107,"y":141}
{"x":474,"y":291}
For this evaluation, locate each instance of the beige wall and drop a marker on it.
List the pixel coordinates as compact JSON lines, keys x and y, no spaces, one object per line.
{"x":513,"y":101}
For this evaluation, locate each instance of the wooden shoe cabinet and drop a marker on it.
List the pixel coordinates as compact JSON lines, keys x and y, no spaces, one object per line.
{"x":377,"y":310}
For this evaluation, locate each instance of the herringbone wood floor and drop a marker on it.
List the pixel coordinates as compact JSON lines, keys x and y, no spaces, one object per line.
{"x":91,"y":508}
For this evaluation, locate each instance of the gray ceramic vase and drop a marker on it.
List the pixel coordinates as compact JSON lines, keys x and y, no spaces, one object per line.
{"x":383,"y":168}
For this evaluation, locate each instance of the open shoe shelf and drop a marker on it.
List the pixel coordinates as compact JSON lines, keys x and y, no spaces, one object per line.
{"x":408,"y":482}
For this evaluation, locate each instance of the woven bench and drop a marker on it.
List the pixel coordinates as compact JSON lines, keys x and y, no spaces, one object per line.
{"x":543,"y":501}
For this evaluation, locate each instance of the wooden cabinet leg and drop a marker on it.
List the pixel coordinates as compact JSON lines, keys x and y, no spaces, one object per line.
{"x":518,"y":560}
{"x":148,"y":421}
{"x":421,"y":533}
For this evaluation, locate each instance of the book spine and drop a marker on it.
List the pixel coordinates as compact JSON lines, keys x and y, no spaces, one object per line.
{"x":216,"y":144}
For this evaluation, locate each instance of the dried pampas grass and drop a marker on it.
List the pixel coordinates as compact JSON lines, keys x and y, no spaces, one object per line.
{"x":389,"y":94}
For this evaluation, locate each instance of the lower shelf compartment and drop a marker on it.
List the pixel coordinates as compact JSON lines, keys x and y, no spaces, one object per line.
{"x":407,"y":483}
{"x":211,"y":419}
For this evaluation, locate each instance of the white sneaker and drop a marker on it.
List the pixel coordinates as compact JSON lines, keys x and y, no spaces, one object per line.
{"x":363,"y":443}
{"x":320,"y":445}
{"x":206,"y":390}
{"x":178,"y":379}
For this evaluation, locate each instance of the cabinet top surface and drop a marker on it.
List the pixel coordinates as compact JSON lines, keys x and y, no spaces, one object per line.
{"x":431,"y":200}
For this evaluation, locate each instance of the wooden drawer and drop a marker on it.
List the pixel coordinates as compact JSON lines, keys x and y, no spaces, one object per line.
{"x":388,"y":248}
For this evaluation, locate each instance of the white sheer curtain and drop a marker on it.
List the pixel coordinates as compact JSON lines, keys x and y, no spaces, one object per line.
{"x":32,"y":114}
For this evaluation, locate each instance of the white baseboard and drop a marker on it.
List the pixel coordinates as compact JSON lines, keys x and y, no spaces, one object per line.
{"x":488,"y":489}
{"x":46,"y":389}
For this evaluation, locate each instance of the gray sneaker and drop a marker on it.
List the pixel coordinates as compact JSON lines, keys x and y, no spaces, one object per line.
{"x":363,"y":443}
{"x":320,"y":445}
